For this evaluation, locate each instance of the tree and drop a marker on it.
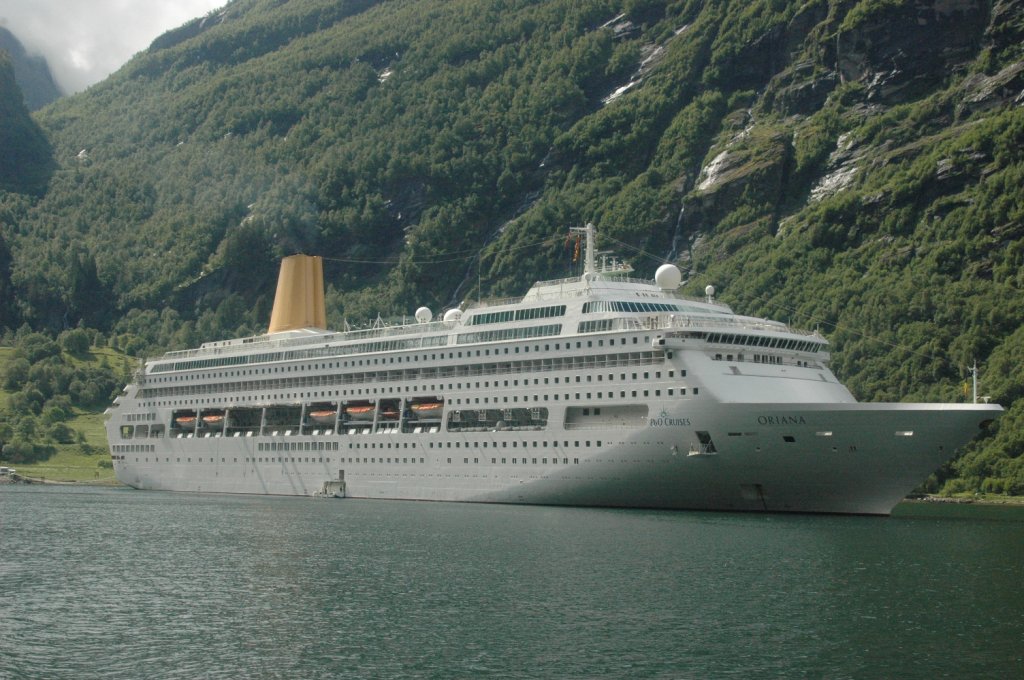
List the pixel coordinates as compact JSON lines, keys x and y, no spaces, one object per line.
{"x":16,"y":374}
{"x":88,"y":301}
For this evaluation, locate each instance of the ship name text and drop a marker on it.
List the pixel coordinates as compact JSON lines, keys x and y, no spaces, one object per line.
{"x":781,"y":420}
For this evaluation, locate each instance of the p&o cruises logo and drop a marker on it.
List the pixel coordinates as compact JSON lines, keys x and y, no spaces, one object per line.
{"x":663,"y":420}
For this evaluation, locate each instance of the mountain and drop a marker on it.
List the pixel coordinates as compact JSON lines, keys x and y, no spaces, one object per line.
{"x":851,"y":165}
{"x":31,"y":72}
{"x":25,"y":155}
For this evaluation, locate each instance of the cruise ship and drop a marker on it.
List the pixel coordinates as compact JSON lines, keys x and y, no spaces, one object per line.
{"x":596,"y":390}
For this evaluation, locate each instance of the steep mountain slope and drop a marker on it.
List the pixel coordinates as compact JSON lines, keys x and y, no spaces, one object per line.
{"x":25,"y":154}
{"x":31,"y":72}
{"x":850,"y":164}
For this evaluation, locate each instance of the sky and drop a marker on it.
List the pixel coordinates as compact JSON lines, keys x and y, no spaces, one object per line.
{"x":84,"y":41}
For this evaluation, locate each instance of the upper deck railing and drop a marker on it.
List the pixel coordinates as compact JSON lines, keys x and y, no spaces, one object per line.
{"x":557,"y":291}
{"x":653,"y":322}
{"x":265,"y":342}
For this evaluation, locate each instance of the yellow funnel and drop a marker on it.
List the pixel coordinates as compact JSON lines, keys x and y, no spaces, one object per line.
{"x":299,"y":302}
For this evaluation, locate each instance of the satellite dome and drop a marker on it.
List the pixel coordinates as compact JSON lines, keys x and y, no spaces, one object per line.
{"x":423,"y":315}
{"x":454,"y":314}
{"x":668,"y":277}
{"x":710,"y":292}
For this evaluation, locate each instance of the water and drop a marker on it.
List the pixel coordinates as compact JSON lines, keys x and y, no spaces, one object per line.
{"x":117,"y":583}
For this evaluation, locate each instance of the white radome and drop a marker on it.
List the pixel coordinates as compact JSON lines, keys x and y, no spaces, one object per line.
{"x":668,"y":277}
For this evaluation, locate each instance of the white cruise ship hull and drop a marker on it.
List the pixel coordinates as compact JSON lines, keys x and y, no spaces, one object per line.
{"x":593,"y":391}
{"x":834,"y":458}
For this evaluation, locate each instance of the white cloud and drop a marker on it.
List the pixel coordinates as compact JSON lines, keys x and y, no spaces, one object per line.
{"x":84,"y":41}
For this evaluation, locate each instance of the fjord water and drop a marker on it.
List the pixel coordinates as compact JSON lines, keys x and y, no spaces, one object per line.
{"x":117,"y":583}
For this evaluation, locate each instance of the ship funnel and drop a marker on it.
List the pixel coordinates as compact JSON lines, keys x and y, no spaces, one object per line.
{"x":299,"y":302}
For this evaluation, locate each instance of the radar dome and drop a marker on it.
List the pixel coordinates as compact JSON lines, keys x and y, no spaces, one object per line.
{"x":453,"y":315}
{"x":423,"y":315}
{"x":668,"y":277}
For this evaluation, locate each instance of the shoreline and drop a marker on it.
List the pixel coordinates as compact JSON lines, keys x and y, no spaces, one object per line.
{"x":25,"y":479}
{"x":912,"y":500}
{"x":963,"y":500}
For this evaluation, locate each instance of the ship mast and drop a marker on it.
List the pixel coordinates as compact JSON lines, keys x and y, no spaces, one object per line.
{"x":589,"y":262}
{"x":974,"y":380}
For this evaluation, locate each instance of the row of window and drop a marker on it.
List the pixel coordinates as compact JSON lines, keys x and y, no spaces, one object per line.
{"x":133,"y":448}
{"x":636,"y":307}
{"x":310,"y":353}
{"x":356,"y":460}
{"x":299,"y":446}
{"x":501,"y":334}
{"x":596,"y":326}
{"x":576,"y":362}
{"x":514,"y":444}
{"x":433,"y":358}
{"x":771,"y":342}
{"x":516,"y":315}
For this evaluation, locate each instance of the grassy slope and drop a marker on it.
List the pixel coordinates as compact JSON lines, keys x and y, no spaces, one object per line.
{"x":69,"y":464}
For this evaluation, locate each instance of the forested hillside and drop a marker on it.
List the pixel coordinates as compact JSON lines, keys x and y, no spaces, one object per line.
{"x":849,"y":165}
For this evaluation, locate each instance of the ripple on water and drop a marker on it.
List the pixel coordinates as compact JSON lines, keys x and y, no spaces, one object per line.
{"x":116,"y":583}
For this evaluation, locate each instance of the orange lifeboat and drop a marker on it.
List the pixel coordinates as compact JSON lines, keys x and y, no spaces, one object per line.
{"x":323,"y":416}
{"x":360,"y":411}
{"x":427,"y":408}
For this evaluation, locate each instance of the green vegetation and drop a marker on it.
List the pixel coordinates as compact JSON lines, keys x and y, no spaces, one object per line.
{"x":68,"y":465}
{"x":855,"y":167}
{"x":52,"y":395}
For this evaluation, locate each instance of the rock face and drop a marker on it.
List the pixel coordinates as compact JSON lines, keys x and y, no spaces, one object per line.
{"x":900,"y":51}
{"x":984,"y":92}
{"x":895,"y":52}
{"x":752,"y":163}
{"x":1006,"y":30}
{"x":801,"y":88}
{"x":31,"y":73}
